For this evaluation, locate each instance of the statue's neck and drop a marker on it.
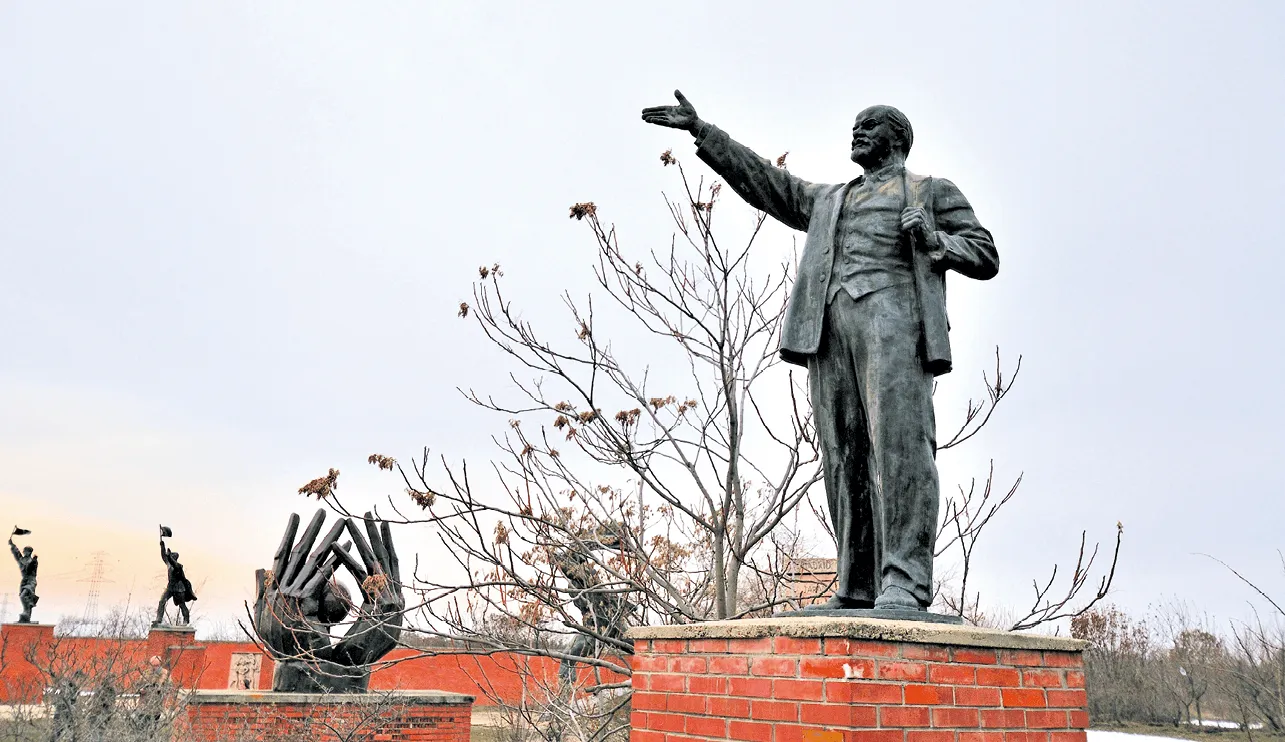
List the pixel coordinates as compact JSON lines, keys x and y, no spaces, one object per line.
{"x":894,"y":160}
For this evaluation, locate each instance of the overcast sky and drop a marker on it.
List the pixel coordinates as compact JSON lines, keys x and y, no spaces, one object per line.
{"x":234,"y":236}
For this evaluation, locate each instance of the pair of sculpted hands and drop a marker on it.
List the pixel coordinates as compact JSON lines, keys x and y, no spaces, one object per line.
{"x":914,"y":219}
{"x":297,"y":601}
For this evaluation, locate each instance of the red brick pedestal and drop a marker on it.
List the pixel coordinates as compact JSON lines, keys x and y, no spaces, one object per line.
{"x":854,"y":680}
{"x":258,"y":716}
{"x":21,"y":645}
{"x":179,"y":653}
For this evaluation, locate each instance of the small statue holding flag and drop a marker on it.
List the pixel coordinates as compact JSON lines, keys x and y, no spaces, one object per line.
{"x":177,"y":588}
{"x":28,"y":563}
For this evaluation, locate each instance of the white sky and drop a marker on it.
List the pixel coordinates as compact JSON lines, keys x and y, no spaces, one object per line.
{"x":233,"y":238}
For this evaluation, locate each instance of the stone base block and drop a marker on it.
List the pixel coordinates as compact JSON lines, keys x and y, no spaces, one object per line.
{"x":889,"y":614}
{"x":255,"y":716}
{"x":821,"y":679}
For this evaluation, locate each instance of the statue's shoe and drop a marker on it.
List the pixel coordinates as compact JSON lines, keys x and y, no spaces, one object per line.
{"x":840,"y":604}
{"x":896,"y":599}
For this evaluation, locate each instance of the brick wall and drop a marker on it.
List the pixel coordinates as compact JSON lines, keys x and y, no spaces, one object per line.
{"x":843,"y":689}
{"x":246,"y":716}
{"x":500,"y":677}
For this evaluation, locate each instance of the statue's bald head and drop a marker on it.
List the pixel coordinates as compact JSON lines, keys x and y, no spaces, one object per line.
{"x":881,"y":136}
{"x":904,"y":135}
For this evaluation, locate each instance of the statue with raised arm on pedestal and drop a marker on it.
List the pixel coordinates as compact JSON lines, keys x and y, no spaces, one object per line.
{"x":177,"y":587}
{"x":867,"y":318}
{"x":28,"y":563}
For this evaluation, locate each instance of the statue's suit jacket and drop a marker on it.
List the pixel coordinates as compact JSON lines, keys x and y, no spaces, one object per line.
{"x":814,"y":208}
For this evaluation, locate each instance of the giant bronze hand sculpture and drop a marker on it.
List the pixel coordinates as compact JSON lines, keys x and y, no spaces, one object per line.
{"x":298,"y":602}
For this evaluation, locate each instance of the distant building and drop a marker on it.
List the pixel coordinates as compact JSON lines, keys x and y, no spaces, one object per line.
{"x":811,"y":580}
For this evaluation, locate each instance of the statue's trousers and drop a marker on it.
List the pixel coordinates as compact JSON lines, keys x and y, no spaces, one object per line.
{"x":873,"y":408}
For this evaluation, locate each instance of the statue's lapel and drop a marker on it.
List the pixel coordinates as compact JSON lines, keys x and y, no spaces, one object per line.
{"x":920,"y":187}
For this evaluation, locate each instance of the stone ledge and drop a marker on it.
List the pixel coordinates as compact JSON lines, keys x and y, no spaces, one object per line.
{"x":409,"y":697}
{"x":914,"y":632}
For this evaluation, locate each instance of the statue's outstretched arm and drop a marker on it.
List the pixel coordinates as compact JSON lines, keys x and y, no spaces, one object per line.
{"x":761,"y":183}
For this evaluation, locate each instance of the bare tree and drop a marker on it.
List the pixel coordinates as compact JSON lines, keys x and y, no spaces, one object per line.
{"x":96,"y":688}
{"x":1255,"y":674}
{"x":711,"y":473}
{"x":653,"y":481}
{"x":966,"y":514}
{"x":1120,"y":664}
{"x":618,"y":501}
{"x":1193,"y":660}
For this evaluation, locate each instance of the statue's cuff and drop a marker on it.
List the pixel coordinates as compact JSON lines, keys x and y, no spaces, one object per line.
{"x":701,"y":131}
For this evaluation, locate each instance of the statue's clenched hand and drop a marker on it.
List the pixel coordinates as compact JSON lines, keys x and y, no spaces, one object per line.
{"x":681,"y":116}
{"x":914,"y":220}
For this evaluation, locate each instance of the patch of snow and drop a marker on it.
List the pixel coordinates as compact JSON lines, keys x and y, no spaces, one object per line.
{"x":1098,"y":735}
{"x":1224,"y":724}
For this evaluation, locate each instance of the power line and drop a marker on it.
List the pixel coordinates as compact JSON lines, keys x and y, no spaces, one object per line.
{"x":97,"y":576}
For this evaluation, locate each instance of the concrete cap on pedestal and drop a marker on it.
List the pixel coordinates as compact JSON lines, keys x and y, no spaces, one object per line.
{"x":915,"y":632}
{"x":410,"y":697}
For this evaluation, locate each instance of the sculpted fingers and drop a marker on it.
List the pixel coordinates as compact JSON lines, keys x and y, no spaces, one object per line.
{"x":675,"y":117}
{"x":363,"y":548}
{"x":353,"y":566}
{"x":660,"y":119}
{"x":301,"y":549}
{"x":324,"y":572}
{"x":394,"y":564}
{"x":296,"y":587}
{"x":914,"y":219}
{"x":260,"y":587}
{"x":287,"y":541}
{"x":376,"y":543}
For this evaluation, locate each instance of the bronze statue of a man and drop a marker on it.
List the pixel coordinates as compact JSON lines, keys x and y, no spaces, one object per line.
{"x":177,"y":587}
{"x":867,"y":317}
{"x":28,"y":564}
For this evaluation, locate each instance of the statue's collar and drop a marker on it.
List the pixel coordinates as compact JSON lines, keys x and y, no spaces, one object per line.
{"x":884,"y":173}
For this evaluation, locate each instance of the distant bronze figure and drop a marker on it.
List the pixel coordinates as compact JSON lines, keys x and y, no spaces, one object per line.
{"x":298,"y":602}
{"x":66,"y":705}
{"x":867,"y":318}
{"x":177,"y":587}
{"x":28,"y":564}
{"x":153,"y":688}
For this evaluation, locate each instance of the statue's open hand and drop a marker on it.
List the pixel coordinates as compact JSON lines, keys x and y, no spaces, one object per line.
{"x":290,"y":601}
{"x":379,"y":572}
{"x":379,"y":620}
{"x":681,"y":116}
